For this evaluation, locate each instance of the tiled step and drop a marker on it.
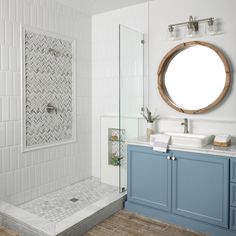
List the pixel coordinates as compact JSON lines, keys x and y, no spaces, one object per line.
{"x":7,"y":232}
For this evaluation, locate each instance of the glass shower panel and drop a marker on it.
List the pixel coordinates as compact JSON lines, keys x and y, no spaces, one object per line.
{"x":131,"y":92}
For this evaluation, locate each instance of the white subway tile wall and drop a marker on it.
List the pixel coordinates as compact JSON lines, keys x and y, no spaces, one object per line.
{"x":25,"y":176}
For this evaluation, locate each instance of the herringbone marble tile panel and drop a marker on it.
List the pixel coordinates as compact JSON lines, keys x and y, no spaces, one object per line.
{"x":48,"y":79}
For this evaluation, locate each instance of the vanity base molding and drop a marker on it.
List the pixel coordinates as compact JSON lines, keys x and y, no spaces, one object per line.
{"x":178,"y":220}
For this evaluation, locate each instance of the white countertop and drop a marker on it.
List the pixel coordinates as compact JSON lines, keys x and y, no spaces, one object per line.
{"x":209,"y":149}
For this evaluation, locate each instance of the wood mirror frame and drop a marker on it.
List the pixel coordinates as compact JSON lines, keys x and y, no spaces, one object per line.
{"x":164,"y":66}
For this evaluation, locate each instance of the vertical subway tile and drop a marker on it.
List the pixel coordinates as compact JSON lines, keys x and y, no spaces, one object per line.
{"x":6,"y":159}
{"x":5,"y":9}
{"x":2,"y":134}
{"x":18,"y":108}
{"x":40,"y":16}
{"x":18,"y":60}
{"x":18,"y":180}
{"x":16,"y":35}
{"x":27,"y":13}
{"x":10,"y":183}
{"x":19,"y":11}
{"x":13,"y":59}
{"x":2,"y":31}
{"x":9,"y":83}
{"x":16,"y":84}
{"x":33,"y":14}
{"x":4,"y":58}
{"x":13,"y":158}
{"x":8,"y":33}
{"x":2,"y":185}
{"x":9,"y":133}
{"x":2,"y":83}
{"x":17,"y":133}
{"x":25,"y":159}
{"x":12,"y":10}
{"x":5,"y":108}
{"x":13,"y":108}
{"x":32,"y":176}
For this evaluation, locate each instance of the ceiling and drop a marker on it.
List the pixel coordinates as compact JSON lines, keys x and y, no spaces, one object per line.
{"x":93,"y":7}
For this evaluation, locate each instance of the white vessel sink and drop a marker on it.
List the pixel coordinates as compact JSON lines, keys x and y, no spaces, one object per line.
{"x":189,"y":140}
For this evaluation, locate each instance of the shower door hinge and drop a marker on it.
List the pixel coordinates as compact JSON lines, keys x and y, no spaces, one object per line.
{"x":142,"y":41}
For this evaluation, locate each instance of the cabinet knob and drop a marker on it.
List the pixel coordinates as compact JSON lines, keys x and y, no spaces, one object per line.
{"x":173,"y":158}
{"x":168,"y":158}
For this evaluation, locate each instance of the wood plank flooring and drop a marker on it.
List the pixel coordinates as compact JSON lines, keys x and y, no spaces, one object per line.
{"x":7,"y":232}
{"x":125,"y":223}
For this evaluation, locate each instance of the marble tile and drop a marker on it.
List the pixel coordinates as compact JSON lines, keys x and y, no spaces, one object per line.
{"x":18,"y":218}
{"x":75,"y":206}
{"x":63,"y":203}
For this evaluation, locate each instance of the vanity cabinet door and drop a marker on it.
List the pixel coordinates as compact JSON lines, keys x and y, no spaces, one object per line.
{"x":149,"y":178}
{"x":201,"y":187}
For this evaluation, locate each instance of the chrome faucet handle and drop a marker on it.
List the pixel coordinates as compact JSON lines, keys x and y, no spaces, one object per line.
{"x":50,"y":108}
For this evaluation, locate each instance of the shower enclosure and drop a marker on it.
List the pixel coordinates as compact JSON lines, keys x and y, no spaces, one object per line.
{"x":49,"y":188}
{"x":131,"y":92}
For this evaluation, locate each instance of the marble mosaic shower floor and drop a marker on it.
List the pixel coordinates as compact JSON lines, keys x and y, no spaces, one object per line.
{"x":63,"y":203}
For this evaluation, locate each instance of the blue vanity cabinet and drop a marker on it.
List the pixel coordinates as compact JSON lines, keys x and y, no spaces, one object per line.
{"x":149,"y":178}
{"x":183,"y":188}
{"x":201,"y":187}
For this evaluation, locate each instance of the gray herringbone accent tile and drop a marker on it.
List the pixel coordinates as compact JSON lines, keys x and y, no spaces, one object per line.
{"x":48,"y":79}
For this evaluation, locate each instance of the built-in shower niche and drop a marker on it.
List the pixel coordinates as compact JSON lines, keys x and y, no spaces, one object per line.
{"x":116,"y":146}
{"x":48,"y":100}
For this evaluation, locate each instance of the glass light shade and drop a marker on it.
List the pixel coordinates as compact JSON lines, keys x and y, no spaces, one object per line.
{"x":172,"y":33}
{"x":211,"y":27}
{"x":191,"y":32}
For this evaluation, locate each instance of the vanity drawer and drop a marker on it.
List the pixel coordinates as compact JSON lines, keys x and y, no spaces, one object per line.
{"x":233,"y":170}
{"x":233,"y":194}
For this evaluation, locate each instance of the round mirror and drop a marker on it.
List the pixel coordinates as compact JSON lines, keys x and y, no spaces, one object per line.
{"x":193,"y":77}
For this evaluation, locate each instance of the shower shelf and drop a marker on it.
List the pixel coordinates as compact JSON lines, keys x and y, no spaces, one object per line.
{"x":116,"y":146}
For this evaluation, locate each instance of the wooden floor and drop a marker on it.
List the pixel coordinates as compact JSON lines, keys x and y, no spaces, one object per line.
{"x":125,"y":223}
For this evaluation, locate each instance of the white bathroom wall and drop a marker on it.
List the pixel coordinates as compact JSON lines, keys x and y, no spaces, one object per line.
{"x":105,"y":57}
{"x":221,"y":119}
{"x":24,"y":176}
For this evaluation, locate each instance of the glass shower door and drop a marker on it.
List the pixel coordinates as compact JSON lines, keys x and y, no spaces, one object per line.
{"x":130,"y":93}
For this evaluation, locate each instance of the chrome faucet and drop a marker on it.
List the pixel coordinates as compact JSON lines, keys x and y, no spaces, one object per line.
{"x":185,"y":124}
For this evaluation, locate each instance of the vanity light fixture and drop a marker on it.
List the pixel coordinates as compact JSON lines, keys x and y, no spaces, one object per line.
{"x":192,"y":27}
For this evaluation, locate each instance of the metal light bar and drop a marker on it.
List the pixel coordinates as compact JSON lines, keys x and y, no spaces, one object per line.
{"x":191,"y":20}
